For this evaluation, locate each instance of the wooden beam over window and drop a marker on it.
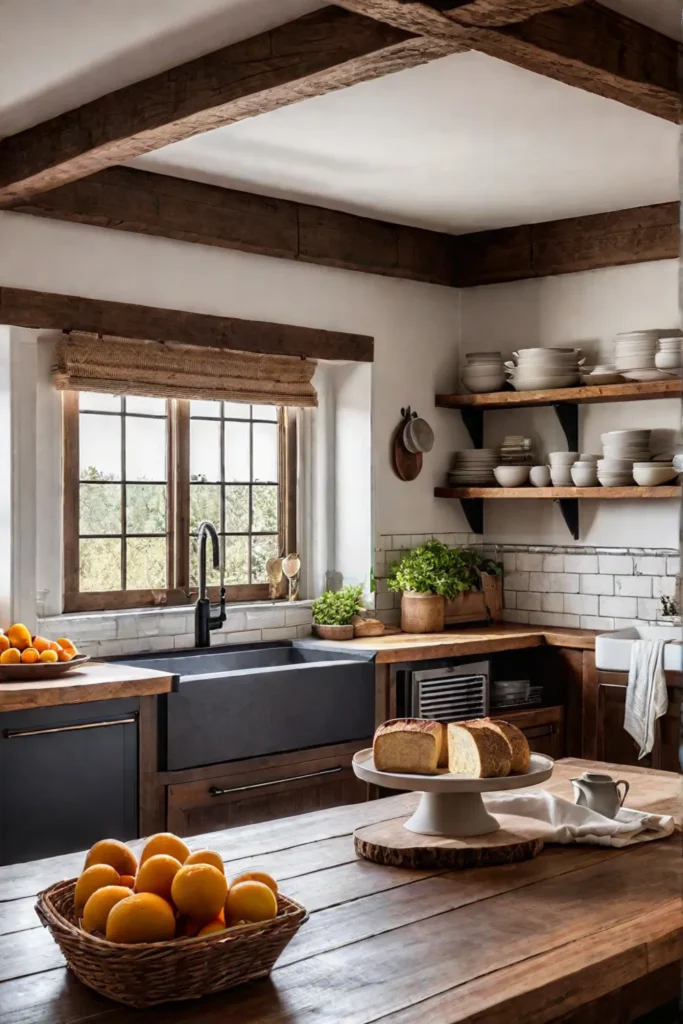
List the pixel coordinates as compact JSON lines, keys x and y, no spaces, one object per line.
{"x":587,"y":46}
{"x":322,"y":52}
{"x":49,"y":310}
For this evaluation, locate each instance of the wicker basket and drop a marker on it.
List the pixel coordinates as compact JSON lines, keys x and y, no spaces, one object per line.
{"x":161,"y":972}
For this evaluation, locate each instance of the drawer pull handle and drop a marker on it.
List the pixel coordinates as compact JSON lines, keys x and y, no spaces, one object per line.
{"x":16,"y":734}
{"x":216,"y":791}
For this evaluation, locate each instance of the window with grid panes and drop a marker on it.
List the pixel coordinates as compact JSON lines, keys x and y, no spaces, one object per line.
{"x":141,"y":474}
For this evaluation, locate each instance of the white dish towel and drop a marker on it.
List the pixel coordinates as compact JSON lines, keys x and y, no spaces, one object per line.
{"x":646,"y":696}
{"x":561,"y":821}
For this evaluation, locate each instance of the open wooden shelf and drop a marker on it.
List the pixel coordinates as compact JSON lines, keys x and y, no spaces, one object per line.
{"x":558,"y":493}
{"x":631,"y":392}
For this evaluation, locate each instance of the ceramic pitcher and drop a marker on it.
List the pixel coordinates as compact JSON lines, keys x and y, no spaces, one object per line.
{"x":600,"y":793}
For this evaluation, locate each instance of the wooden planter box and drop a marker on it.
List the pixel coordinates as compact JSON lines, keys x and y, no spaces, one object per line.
{"x":485,"y":605}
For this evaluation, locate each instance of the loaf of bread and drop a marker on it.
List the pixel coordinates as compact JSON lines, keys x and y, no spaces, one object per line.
{"x":519,"y":745}
{"x":410,"y":745}
{"x":478,"y":750}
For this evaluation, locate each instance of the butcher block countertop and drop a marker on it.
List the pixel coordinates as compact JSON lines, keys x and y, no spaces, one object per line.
{"x":465,"y":641}
{"x":532,"y":942}
{"x":95,"y":681}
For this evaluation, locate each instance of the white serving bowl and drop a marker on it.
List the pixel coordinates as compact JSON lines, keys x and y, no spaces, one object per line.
{"x":512,"y":476}
{"x":668,"y":360}
{"x":539,"y":476}
{"x":561,"y":476}
{"x":615,"y":465}
{"x":544,"y":383}
{"x":485,"y":385}
{"x":615,"y":480}
{"x":653,"y":475}
{"x":584,"y":474}
{"x":562,"y":458}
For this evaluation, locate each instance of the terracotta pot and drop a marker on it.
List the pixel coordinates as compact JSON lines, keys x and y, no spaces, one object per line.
{"x":422,"y":613}
{"x":333,"y":632}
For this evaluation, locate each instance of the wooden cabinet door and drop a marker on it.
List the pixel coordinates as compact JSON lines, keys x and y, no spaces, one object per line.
{"x":248,"y":797}
{"x":543,"y":727}
{"x":614,"y":743}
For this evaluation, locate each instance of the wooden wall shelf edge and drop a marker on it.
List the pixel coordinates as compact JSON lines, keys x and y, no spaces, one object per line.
{"x":628,"y":392}
{"x":556,"y":493}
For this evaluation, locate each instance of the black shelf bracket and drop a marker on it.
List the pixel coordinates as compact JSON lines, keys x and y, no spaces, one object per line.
{"x":474,"y":513}
{"x":569,"y":507}
{"x":568,"y":415}
{"x":474,"y":421}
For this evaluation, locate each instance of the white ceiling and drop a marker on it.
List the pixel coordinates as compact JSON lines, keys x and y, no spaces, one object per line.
{"x":465,"y":143}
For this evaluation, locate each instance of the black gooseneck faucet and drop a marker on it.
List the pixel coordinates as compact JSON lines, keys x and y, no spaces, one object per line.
{"x":204,"y":622}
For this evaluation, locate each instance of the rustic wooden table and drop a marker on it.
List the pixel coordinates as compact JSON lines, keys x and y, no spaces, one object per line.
{"x":580,"y":934}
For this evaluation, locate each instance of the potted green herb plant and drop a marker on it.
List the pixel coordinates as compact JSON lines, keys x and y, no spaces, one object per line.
{"x":432,"y":578}
{"x":334,"y":611}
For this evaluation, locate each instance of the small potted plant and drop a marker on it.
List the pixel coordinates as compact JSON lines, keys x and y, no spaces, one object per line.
{"x":334,"y":611}
{"x":433,"y":577}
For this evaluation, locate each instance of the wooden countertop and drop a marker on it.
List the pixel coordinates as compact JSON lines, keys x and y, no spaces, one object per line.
{"x":534,"y":941}
{"x":95,"y":681}
{"x":456,"y":643}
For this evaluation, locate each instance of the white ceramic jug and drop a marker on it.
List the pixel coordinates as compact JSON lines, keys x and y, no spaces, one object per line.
{"x":600,"y":793}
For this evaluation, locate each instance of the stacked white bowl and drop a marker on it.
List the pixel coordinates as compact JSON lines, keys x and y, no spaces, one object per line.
{"x":584,"y":472}
{"x":483,"y":372}
{"x":560,"y":468}
{"x":474,"y":468}
{"x":534,"y":369}
{"x":621,"y":449}
{"x":668,"y":355}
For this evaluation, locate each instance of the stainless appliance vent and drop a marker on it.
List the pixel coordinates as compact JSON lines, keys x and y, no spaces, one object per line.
{"x":446,"y":695}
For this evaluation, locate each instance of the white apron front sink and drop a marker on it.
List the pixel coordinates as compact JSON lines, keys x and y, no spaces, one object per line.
{"x":613,"y":650}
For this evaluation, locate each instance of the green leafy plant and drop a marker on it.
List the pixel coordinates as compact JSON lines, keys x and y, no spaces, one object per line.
{"x":434,"y":568}
{"x":337,"y":608}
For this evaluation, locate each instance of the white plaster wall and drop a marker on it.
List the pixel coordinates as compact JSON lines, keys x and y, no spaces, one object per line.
{"x":415,"y":326}
{"x":586,"y":310}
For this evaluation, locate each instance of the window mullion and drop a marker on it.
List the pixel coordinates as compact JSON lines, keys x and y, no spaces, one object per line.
{"x":124,"y":525}
{"x":181,"y":468}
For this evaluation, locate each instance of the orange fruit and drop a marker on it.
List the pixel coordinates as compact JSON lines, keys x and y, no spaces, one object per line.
{"x":92,"y":879}
{"x":142,"y":917}
{"x":10,"y":657}
{"x":157,"y":874}
{"x":128,"y":880}
{"x":164,"y":842}
{"x":30,"y":656}
{"x":206,"y":857}
{"x":67,"y":644}
{"x":96,"y":910}
{"x":4,"y":642}
{"x":40,"y":644}
{"x":49,"y":657}
{"x":114,"y":852}
{"x":54,"y":646}
{"x":199,"y":891}
{"x":64,"y":655}
{"x":19,"y":636}
{"x":255,"y":876}
{"x":213,"y":926}
{"x":250,"y":901}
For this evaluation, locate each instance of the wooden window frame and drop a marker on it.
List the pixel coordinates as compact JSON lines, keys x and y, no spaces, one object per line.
{"x":179,"y":591}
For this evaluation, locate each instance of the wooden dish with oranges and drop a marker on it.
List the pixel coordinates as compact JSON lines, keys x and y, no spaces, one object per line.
{"x":26,"y":658}
{"x":168,"y":928}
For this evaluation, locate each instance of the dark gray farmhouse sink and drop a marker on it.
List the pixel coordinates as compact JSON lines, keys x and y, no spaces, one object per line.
{"x":237,"y":703}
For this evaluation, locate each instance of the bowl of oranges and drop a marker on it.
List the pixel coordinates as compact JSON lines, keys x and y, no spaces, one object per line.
{"x":168,"y":927}
{"x":25,"y":657}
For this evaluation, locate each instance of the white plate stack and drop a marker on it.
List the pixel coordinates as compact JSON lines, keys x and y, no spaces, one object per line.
{"x":536,"y":369}
{"x":621,"y":448}
{"x":635,"y":353}
{"x":474,"y":468}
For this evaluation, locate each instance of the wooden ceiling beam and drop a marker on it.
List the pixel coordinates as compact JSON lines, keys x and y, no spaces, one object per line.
{"x":587,"y":46}
{"x":52,"y":311}
{"x":328,"y":50}
{"x":490,"y":13}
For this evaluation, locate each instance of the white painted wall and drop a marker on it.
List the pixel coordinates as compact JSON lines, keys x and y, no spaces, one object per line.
{"x":415,"y":326}
{"x":586,"y":310}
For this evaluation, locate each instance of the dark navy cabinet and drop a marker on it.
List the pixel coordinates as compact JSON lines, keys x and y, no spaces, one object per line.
{"x":68,"y":777}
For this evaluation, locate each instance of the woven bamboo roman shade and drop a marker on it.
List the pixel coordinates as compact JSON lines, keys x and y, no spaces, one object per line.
{"x":92,"y":362}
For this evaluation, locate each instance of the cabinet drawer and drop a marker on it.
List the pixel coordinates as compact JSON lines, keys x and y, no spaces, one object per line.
{"x":543,"y":728}
{"x":247,"y":797}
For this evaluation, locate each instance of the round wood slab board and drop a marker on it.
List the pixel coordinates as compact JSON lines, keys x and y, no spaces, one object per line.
{"x":388,"y":842}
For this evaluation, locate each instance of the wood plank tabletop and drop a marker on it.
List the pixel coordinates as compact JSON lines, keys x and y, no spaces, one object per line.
{"x":526,"y":942}
{"x":94,"y":681}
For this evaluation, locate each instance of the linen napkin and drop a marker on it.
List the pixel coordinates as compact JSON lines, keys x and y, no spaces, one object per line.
{"x":646,"y":695}
{"x":561,"y":821}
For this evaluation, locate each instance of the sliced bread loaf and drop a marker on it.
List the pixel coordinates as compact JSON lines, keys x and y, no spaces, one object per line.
{"x":411,"y":745}
{"x":521,"y":752}
{"x":478,"y":750}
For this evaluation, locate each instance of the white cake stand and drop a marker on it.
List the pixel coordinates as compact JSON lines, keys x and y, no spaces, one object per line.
{"x":451,"y":805}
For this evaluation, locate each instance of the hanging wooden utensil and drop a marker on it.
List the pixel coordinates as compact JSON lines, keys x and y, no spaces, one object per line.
{"x":407,"y":465}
